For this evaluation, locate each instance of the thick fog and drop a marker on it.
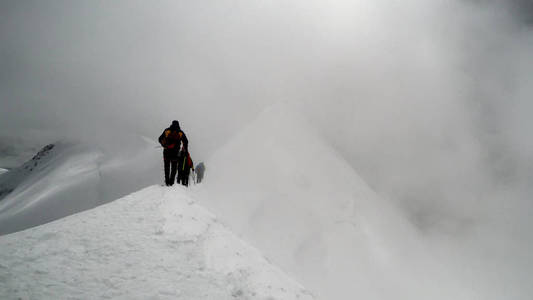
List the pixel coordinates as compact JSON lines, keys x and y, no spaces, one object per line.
{"x":429,"y":101}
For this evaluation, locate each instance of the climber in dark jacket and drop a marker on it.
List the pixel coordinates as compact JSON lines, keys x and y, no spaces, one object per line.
{"x":185,"y":165}
{"x":171,"y":140}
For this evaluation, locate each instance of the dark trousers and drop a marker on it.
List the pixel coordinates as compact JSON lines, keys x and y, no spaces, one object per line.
{"x":171,"y":167}
{"x":170,"y":158}
{"x":183,"y":177}
{"x":183,"y":170}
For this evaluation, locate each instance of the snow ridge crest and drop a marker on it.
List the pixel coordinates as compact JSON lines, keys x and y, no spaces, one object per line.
{"x":157,"y":242}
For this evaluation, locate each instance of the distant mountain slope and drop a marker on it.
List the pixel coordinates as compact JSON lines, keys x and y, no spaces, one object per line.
{"x":14,"y":151}
{"x":153,"y":244}
{"x":67,"y":177}
{"x":37,"y":166}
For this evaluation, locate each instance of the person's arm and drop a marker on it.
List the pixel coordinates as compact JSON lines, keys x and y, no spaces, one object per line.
{"x":185,"y":142}
{"x":191,"y":164}
{"x":162,"y":138}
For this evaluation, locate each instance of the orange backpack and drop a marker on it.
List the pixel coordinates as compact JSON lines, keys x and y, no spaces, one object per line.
{"x":172,"y":138}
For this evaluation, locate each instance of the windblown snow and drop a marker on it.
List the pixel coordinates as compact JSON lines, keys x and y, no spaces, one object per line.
{"x":157,"y":243}
{"x":281,"y":186}
{"x":279,"y":181}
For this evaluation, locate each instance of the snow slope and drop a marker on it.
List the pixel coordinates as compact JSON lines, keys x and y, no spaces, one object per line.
{"x":3,"y":171}
{"x":70,"y":177}
{"x":153,"y":244}
{"x":291,"y":195}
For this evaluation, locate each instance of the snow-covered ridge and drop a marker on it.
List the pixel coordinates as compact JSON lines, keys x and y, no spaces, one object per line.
{"x":156,"y":243}
{"x":69,"y":177}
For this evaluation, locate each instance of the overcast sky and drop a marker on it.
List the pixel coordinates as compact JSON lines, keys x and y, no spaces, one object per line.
{"x":78,"y":65}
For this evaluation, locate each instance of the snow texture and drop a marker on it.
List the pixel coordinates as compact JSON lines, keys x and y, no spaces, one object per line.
{"x":153,"y":244}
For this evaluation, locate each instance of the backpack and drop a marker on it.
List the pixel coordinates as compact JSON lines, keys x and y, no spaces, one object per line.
{"x":171,"y":138}
{"x":186,"y":162}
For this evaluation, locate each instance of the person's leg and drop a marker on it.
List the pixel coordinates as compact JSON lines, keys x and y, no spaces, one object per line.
{"x":174,"y":167}
{"x":185,"y":178}
{"x":167,"y":170}
{"x":179,"y":175}
{"x":180,"y":169}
